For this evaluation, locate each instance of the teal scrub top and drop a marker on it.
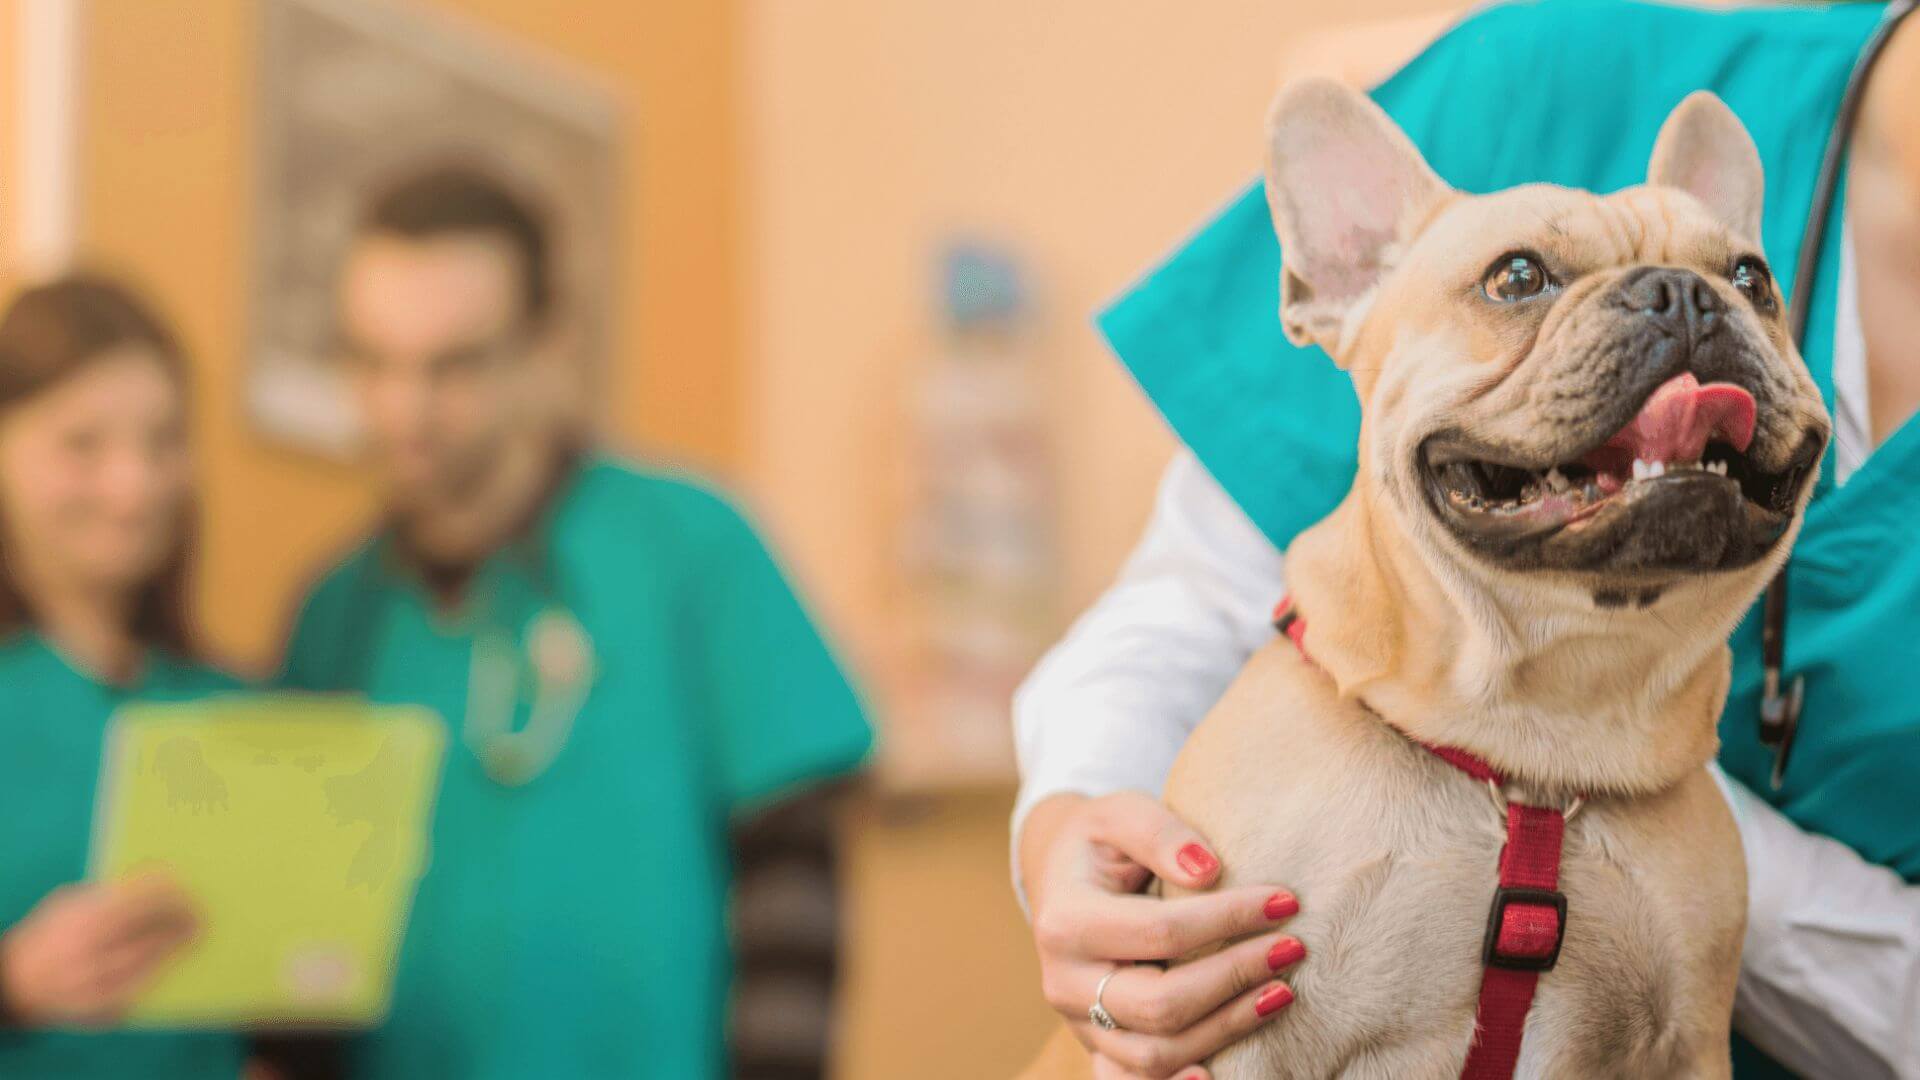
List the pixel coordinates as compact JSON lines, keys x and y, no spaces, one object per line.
{"x":575,"y":925}
{"x":52,"y":722}
{"x":1573,"y":92}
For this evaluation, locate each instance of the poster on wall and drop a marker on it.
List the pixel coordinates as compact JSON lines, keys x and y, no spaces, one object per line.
{"x":356,"y":95}
{"x":980,"y":544}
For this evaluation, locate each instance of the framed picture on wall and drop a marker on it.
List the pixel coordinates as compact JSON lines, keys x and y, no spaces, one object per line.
{"x":354,"y":95}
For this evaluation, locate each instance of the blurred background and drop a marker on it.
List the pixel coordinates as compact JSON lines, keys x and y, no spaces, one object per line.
{"x":841,"y":255}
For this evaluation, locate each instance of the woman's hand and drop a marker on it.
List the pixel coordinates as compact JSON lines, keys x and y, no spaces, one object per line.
{"x":82,"y":954}
{"x":1083,"y":860}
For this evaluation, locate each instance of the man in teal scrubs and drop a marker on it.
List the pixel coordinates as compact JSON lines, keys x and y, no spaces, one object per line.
{"x":1569,"y":92}
{"x":621,"y":663}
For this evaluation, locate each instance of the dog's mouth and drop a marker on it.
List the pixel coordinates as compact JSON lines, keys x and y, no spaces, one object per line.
{"x":1675,"y":488}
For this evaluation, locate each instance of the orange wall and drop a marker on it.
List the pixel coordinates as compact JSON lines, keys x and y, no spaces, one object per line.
{"x":9,"y":161}
{"x":1087,"y":136}
{"x":166,"y":161}
{"x":1090,"y":137}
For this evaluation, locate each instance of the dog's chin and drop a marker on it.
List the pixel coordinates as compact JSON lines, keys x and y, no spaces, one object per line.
{"x":1719,"y":513}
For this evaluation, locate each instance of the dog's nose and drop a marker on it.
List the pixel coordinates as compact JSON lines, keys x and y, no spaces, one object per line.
{"x":1681,"y":299}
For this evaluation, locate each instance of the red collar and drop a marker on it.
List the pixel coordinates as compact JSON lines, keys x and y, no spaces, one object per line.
{"x":1527,"y":919}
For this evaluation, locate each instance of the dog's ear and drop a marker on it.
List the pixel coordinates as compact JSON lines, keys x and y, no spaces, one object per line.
{"x":1705,"y":151}
{"x":1342,"y":179}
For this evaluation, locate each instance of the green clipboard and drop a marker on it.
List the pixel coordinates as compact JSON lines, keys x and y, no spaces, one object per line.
{"x":298,"y":826}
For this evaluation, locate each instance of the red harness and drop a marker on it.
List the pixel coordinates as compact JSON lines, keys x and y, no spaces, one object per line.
{"x":1528,"y":917}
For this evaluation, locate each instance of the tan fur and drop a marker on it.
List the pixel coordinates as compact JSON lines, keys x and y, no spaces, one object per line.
{"x":1392,"y":853}
{"x":1305,"y":773}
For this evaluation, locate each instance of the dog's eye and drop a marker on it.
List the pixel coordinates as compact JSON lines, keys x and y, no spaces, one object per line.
{"x":1515,"y":277}
{"x":1750,"y":276}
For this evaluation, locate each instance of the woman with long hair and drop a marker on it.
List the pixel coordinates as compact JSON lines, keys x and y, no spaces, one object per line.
{"x":96,"y":540}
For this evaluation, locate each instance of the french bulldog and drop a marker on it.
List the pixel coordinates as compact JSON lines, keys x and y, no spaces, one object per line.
{"x":1586,"y":443}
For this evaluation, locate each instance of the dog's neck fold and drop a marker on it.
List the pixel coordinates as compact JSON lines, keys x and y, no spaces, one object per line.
{"x":1562,"y":702}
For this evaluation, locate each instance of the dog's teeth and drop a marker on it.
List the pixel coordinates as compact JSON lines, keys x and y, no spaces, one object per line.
{"x":1717,"y":468}
{"x":1639,"y":469}
{"x":1555,"y":481}
{"x":1657,"y":469}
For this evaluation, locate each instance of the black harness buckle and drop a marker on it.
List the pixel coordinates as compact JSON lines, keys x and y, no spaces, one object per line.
{"x":1504,"y":897}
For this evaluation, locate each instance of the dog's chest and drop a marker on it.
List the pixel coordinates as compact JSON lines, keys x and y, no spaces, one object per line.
{"x":1396,"y":864}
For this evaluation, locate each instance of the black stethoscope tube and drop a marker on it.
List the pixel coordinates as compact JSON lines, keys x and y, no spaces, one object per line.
{"x":1780,"y":710}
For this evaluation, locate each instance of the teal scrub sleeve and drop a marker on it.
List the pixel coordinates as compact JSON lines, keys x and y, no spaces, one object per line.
{"x":782,"y":712}
{"x":317,"y":653}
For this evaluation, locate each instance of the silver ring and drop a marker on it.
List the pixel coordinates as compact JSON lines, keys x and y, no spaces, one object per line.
{"x":1101,"y":1018}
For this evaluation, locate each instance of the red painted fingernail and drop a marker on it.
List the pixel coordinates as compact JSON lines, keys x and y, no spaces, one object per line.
{"x":1285,"y":953}
{"x":1282,"y":905}
{"x":1273,"y":999}
{"x":1196,"y":860}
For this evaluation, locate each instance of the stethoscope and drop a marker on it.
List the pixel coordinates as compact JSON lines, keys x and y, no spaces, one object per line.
{"x":1781,"y":700}
{"x":558,"y":656}
{"x":555,"y":653}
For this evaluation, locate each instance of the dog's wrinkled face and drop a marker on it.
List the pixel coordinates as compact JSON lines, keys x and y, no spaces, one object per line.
{"x":1595,"y":385}
{"x":1631,"y":400}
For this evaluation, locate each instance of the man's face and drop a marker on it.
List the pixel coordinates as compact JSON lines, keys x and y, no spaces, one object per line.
{"x":436,"y":338}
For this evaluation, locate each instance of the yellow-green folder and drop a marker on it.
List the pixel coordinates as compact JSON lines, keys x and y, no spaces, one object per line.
{"x":297,"y":824}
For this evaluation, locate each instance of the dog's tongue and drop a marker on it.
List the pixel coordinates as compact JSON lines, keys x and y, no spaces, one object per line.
{"x":1677,"y":421}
